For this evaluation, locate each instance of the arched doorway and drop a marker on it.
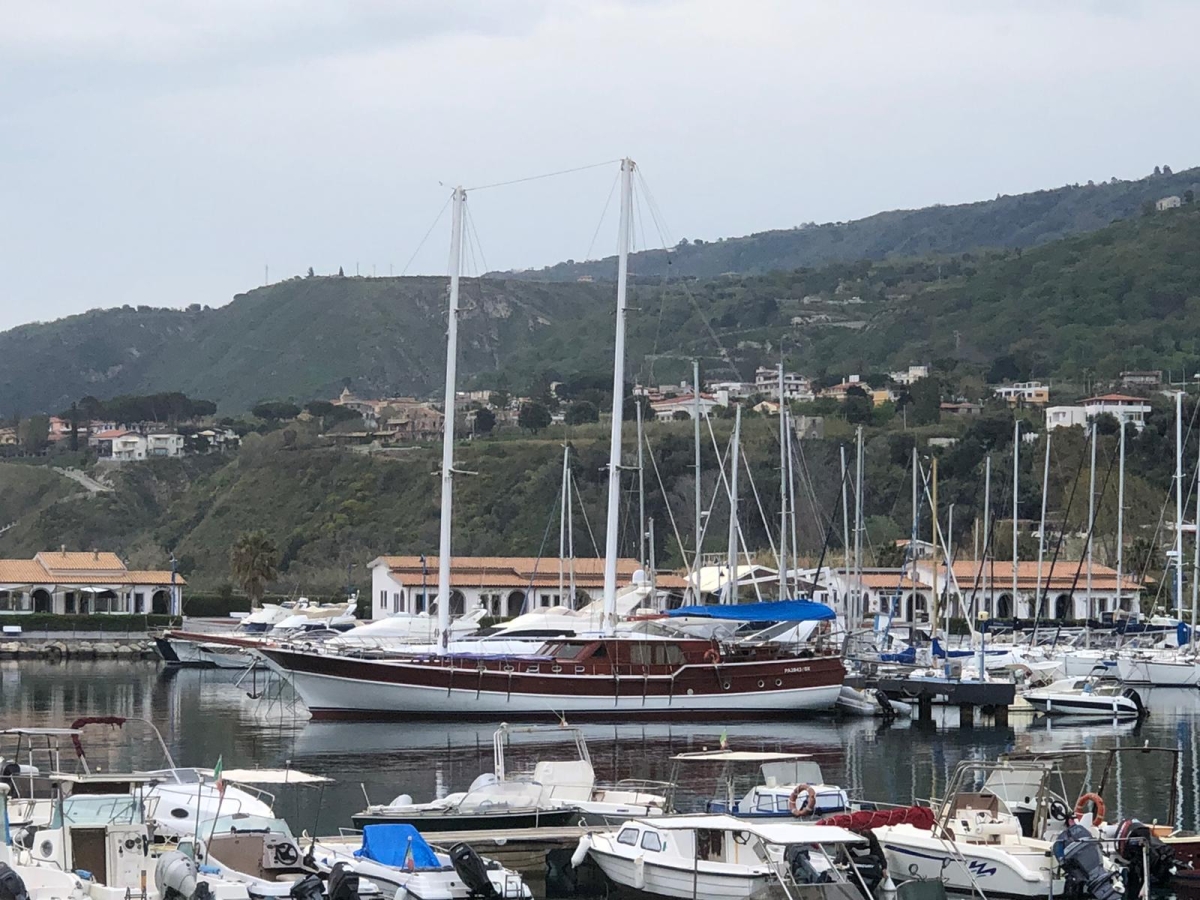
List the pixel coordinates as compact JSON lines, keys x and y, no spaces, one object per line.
{"x":1004,"y":606}
{"x":41,"y":601}
{"x":1064,"y":609}
{"x":909,"y":607}
{"x":516,"y":602}
{"x":458,"y":603}
{"x":160,"y":603}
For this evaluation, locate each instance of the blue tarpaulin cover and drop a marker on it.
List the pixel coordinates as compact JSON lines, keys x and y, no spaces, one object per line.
{"x":390,"y":845}
{"x":774,"y":611}
{"x":942,"y":653}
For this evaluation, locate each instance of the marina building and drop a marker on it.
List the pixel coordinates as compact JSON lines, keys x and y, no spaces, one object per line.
{"x":85,"y":583}
{"x":505,"y":585}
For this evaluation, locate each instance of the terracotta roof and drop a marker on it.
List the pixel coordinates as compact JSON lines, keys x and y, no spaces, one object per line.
{"x":887,"y":581}
{"x":519,"y":571}
{"x":1062,"y":578}
{"x":151,"y":576}
{"x":58,"y":561}
{"x":20,"y":571}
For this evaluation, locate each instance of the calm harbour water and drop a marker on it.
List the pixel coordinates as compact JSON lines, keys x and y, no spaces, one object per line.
{"x":206,"y":714}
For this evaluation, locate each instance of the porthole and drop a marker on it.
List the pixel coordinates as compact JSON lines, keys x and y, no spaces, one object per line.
{"x":778,"y":682}
{"x":762,"y":684}
{"x":725,"y":686}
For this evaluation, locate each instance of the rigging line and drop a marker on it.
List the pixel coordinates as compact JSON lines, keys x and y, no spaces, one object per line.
{"x":496,"y":184}
{"x":529,"y":591}
{"x":478,"y":243}
{"x":441,"y":213}
{"x":583,"y":512}
{"x":761,"y":513}
{"x":666,"y":503}
{"x":660,"y":223}
{"x":611,"y":190}
{"x":1062,"y":533}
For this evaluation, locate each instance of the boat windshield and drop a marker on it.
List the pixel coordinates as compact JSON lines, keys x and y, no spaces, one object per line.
{"x":246,"y":822}
{"x":97,"y":810}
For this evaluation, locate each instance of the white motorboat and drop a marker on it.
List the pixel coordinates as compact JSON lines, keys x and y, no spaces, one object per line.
{"x":981,"y":843}
{"x":399,"y":862}
{"x":790,"y":785}
{"x":1095,"y":696}
{"x":718,"y":857}
{"x":1167,"y":668}
{"x":554,"y":792}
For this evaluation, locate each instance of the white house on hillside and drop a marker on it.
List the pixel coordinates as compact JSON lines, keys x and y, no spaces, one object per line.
{"x":1130,"y":410}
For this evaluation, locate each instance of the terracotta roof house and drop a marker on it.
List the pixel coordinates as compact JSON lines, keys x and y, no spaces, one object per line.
{"x":504,"y":584}
{"x":82,"y":583}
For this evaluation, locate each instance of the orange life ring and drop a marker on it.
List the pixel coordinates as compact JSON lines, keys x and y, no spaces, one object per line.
{"x":810,"y":802}
{"x":712,"y":656}
{"x":1096,"y":800}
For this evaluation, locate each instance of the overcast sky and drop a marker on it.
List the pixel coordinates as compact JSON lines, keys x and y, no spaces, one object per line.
{"x":162,"y":151}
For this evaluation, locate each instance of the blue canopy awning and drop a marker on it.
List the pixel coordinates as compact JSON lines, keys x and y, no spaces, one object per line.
{"x":395,"y":845}
{"x":773,"y":611}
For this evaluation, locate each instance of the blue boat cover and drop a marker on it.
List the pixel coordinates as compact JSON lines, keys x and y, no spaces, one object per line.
{"x":907,"y":657}
{"x":773,"y":611}
{"x":942,"y":653}
{"x":394,"y":845}
{"x":1183,"y":634}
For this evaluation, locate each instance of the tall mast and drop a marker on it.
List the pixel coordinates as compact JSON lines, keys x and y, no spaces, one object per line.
{"x":916,"y":508}
{"x":641,"y":488}
{"x":987,"y":527}
{"x":1091,"y":526}
{"x":792,"y":498}
{"x":731,"y":595}
{"x":696,"y":450}
{"x":1179,"y":505}
{"x":443,"y":622}
{"x":1037,"y":592}
{"x":1016,"y":611}
{"x":933,"y":517}
{"x":845,"y":534}
{"x":562,"y":526}
{"x":1120,"y":512}
{"x":618,"y":404}
{"x":1196,"y":558}
{"x":858,"y":523}
{"x":783,"y":492}
{"x":571,"y":537}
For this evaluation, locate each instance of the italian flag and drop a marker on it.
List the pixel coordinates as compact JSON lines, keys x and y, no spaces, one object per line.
{"x":217,"y":770}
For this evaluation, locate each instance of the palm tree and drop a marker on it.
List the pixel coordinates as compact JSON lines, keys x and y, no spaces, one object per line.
{"x":252,"y":561}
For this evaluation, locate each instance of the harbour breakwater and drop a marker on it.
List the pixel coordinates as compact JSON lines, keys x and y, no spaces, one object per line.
{"x":83,"y":648}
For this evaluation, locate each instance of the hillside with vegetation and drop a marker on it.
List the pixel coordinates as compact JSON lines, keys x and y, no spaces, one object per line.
{"x":1007,"y":222}
{"x":1081,"y":308}
{"x":326,"y":508}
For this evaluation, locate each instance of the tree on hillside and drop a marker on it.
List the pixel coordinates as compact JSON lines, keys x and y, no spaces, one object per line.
{"x":310,"y":272}
{"x":252,"y":562}
{"x":74,"y":427}
{"x":275,"y":410}
{"x":341,"y":274}
{"x":498,"y":399}
{"x":485,"y":421}
{"x":857,"y":408}
{"x":581,"y":412}
{"x":926,"y":397}
{"x":34,"y":433}
{"x":533,"y":417}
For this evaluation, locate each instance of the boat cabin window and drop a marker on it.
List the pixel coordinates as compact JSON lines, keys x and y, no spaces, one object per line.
{"x":766,"y":803}
{"x":710,"y":845}
{"x":651,"y":841}
{"x":628,"y":836}
{"x":570,"y":651}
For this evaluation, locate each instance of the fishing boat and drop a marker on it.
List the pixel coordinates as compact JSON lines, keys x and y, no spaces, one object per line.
{"x":719,"y":857}
{"x":1093,"y":696}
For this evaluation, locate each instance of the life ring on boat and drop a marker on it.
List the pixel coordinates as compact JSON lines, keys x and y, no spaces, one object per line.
{"x":1096,"y":800}
{"x":810,"y":802}
{"x":712,"y":656}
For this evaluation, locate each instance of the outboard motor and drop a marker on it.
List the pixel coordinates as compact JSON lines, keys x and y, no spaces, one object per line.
{"x":342,"y":884}
{"x":1133,"y":695}
{"x":1136,"y":847}
{"x":1083,"y":865}
{"x":869,"y":862}
{"x":307,"y":888}
{"x":175,"y":875}
{"x":885,"y":704}
{"x":11,"y":885}
{"x":473,"y":871}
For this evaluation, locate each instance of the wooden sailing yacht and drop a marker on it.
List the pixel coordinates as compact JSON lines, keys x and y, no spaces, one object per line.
{"x":634,"y":673}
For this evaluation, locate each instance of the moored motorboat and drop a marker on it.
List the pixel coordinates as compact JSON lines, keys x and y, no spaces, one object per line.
{"x":1092,"y":696}
{"x":720,"y":857}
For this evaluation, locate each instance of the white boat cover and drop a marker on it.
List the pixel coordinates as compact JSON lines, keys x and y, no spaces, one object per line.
{"x":272,"y":776}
